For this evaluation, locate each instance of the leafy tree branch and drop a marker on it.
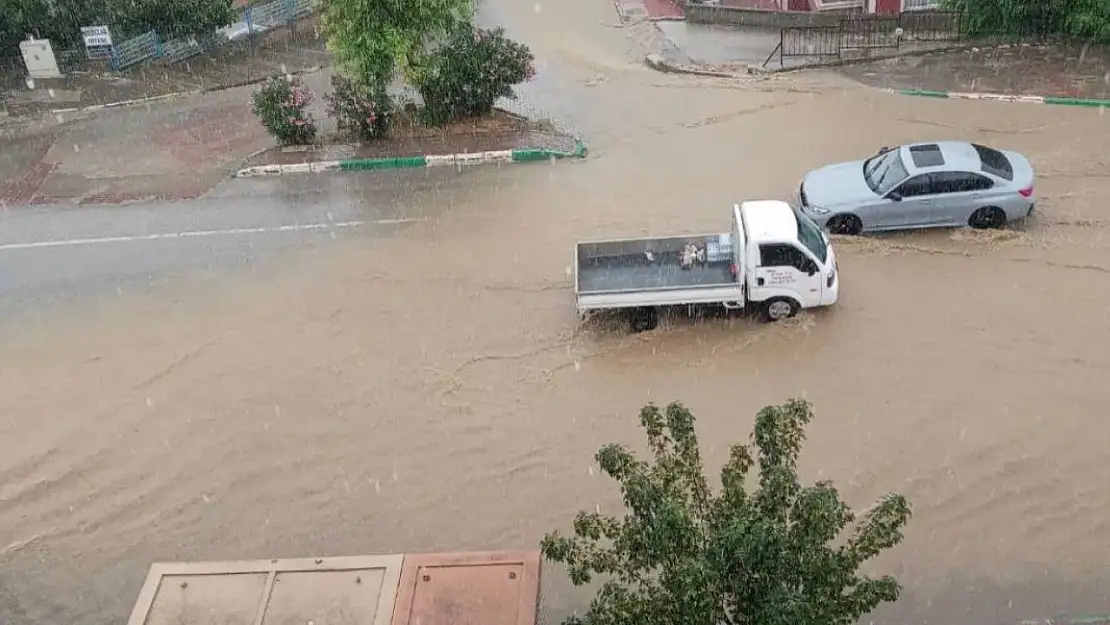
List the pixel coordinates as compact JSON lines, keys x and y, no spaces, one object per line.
{"x":780,"y":553}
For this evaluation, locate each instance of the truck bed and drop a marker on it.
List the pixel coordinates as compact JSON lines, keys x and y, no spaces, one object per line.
{"x":621,"y":266}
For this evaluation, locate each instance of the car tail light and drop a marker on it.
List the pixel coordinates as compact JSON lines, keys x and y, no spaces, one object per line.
{"x":1027,"y":191}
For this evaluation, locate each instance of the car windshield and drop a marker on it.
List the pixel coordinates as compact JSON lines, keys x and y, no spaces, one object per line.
{"x":884,"y":172}
{"x":810,"y":235}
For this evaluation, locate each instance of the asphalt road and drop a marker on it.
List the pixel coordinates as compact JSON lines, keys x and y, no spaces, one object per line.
{"x":51,"y":255}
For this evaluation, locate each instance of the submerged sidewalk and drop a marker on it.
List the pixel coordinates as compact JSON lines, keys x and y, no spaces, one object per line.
{"x":1043,"y":70}
{"x":170,"y":150}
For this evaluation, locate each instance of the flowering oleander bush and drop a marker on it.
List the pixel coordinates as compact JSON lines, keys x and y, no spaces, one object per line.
{"x":467,"y":75}
{"x":280,"y":105}
{"x":359,"y":111}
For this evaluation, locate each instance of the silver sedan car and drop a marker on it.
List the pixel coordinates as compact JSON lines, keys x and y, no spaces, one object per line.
{"x":921,"y":185}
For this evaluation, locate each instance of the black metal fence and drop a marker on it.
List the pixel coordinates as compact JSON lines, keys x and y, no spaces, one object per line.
{"x":870,"y":32}
{"x":809,"y":41}
{"x":865,"y":33}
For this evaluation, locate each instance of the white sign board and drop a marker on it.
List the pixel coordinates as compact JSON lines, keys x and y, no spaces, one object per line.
{"x":96,"y":36}
{"x":38,"y":56}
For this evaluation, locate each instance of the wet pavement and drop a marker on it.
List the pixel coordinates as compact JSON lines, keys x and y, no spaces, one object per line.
{"x":1045,"y":70}
{"x":429,"y":387}
{"x":49,"y":257}
{"x":171,"y":150}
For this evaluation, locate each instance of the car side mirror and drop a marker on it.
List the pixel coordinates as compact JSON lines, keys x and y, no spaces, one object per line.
{"x":894,"y":196}
{"x":811,"y":269}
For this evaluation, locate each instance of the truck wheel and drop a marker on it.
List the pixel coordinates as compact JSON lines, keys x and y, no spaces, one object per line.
{"x":779,"y":308}
{"x":845,"y":224}
{"x":987,"y":217}
{"x":644,"y":320}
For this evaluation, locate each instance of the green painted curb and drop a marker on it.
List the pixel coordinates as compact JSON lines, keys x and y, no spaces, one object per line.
{"x":530,"y":156}
{"x":925,"y":93}
{"x":1077,"y":102}
{"x":369,"y":164}
{"x":1057,"y":100}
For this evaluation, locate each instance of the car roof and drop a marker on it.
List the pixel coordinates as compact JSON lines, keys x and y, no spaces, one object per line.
{"x":769,"y":221}
{"x":940,"y":156}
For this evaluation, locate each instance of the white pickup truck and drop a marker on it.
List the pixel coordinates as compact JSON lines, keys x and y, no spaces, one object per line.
{"x":774,"y":257}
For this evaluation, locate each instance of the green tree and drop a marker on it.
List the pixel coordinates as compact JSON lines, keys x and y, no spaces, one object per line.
{"x":372,"y":39}
{"x":1083,"y":19}
{"x":171,"y":18}
{"x":61,"y":20}
{"x":775,"y":554}
{"x":468,"y":74}
{"x":19,"y":18}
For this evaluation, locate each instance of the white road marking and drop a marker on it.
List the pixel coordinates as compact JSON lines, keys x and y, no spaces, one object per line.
{"x":198,"y":233}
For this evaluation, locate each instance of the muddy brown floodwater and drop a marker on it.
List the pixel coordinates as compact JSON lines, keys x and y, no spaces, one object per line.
{"x":435,"y":391}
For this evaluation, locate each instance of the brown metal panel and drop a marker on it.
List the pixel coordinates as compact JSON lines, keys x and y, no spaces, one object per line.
{"x":480,"y":588}
{"x":357,"y":590}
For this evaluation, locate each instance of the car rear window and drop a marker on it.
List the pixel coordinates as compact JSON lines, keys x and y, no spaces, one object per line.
{"x":995,"y":162}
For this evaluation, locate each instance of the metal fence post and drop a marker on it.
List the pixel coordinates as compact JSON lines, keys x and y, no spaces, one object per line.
{"x":782,"y":47}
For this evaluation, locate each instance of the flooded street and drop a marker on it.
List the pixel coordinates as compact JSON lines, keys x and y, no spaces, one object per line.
{"x":433,"y":389}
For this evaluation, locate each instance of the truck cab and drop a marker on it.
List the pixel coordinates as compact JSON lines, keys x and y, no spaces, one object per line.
{"x":785,"y":261}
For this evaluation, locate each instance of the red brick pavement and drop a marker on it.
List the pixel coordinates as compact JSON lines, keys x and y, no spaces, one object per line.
{"x":662,"y":9}
{"x":205,"y":137}
{"x":21,"y":189}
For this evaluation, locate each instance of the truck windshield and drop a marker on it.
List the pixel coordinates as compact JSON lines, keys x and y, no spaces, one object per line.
{"x":810,"y":236}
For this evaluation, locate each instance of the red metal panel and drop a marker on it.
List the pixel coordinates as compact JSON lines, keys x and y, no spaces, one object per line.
{"x":888,"y":7}
{"x":482,"y":588}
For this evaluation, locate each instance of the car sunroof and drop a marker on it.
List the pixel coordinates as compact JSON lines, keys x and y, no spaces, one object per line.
{"x":927,"y":155}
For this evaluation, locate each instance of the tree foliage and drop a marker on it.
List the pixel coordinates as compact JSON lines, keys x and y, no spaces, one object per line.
{"x":281,"y":106}
{"x":468,"y":74}
{"x":775,"y":554}
{"x":372,"y":39}
{"x":1083,"y":19}
{"x":61,"y":20}
{"x":361,"y":111}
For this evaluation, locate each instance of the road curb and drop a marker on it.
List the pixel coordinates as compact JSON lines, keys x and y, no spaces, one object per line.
{"x":427,"y":160}
{"x":1004,"y":97}
{"x":179,"y":94}
{"x":657,"y":63}
{"x":654,"y":61}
